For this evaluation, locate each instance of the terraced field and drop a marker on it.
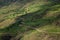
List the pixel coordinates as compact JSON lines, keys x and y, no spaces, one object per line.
{"x":29,"y":20}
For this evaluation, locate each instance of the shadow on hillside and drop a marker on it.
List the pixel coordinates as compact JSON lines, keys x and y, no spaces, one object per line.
{"x":6,"y":37}
{"x":7,"y":2}
{"x":55,"y":1}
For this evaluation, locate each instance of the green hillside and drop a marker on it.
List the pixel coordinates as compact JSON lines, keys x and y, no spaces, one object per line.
{"x":29,"y":20}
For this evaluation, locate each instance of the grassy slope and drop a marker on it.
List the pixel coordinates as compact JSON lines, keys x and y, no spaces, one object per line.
{"x":36,"y":16}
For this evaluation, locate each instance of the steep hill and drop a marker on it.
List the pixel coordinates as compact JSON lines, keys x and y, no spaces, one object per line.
{"x":29,"y":20}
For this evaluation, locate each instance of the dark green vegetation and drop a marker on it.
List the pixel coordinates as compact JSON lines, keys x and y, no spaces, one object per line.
{"x":29,"y":20}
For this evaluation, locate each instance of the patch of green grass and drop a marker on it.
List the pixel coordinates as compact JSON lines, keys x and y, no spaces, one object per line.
{"x":32,"y":16}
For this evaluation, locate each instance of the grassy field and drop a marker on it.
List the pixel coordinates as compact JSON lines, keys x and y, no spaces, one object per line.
{"x":30,"y":20}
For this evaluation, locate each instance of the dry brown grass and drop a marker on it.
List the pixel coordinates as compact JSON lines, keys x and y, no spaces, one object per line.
{"x":6,"y":23}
